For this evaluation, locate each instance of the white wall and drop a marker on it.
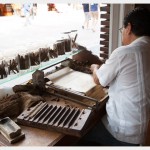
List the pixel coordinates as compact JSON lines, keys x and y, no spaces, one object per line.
{"x":117,"y":13}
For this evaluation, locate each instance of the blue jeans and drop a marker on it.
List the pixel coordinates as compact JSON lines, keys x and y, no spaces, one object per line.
{"x":100,"y":136}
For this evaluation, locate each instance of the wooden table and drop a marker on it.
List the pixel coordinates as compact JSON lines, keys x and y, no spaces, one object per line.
{"x":67,"y":78}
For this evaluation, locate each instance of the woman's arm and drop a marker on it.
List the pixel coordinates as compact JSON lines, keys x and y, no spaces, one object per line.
{"x":94,"y":68}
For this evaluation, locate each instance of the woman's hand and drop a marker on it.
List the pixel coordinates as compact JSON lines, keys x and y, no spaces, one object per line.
{"x":94,"y":68}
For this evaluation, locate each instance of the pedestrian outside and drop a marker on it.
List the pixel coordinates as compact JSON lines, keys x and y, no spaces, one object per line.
{"x":28,"y":11}
{"x":87,"y":16}
{"x":94,"y":15}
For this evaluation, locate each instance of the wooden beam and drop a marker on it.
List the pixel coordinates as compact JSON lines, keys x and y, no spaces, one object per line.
{"x":105,"y":43}
{"x":105,"y":36}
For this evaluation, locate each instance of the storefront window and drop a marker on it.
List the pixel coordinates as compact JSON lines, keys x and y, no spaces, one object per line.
{"x":30,"y":27}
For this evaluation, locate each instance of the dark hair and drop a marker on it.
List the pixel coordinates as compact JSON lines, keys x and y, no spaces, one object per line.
{"x":139,"y":18}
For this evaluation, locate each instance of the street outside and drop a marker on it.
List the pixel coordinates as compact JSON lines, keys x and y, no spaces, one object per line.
{"x":45,"y":28}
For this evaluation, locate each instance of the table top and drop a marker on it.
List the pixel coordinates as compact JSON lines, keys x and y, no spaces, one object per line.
{"x":67,"y":78}
{"x":35,"y":137}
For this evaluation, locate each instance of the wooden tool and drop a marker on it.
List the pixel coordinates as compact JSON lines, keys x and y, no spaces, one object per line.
{"x":10,"y":130}
{"x":68,"y":120}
